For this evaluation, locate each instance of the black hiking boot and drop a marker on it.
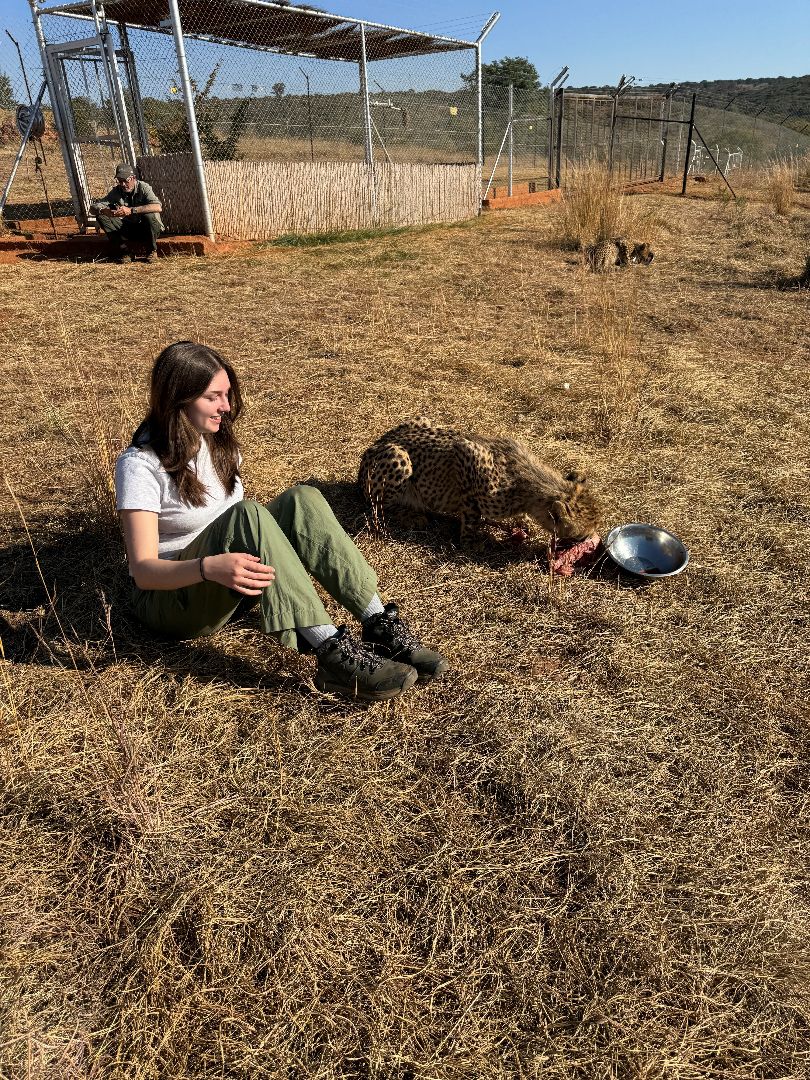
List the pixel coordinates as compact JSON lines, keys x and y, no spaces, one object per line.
{"x":389,"y":636}
{"x":346,"y":666}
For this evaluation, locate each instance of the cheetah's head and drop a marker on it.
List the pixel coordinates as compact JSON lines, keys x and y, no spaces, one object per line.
{"x":642,"y":253}
{"x":574,"y":514}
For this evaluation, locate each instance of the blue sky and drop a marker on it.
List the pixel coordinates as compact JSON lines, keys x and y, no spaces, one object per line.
{"x":598,"y":39}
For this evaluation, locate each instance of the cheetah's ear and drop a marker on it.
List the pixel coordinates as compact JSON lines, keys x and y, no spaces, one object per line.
{"x":575,"y":478}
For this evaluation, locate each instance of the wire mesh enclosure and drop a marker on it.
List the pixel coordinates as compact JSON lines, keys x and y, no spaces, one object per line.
{"x":638,"y":134}
{"x":540,"y":136}
{"x":252,"y":117}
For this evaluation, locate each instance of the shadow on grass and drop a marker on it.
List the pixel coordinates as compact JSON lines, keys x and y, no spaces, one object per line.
{"x":780,"y":282}
{"x":68,"y":606}
{"x":440,"y":536}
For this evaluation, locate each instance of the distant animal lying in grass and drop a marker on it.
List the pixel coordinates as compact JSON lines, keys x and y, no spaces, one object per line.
{"x":608,"y":254}
{"x":420,"y":467}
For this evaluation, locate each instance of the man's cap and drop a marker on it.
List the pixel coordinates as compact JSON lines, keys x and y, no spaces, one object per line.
{"x":123,"y":172}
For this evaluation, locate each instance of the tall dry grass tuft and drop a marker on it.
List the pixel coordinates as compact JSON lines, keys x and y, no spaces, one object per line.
{"x":593,"y":209}
{"x":780,"y":186}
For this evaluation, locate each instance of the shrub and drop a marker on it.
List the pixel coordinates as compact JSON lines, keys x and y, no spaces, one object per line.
{"x":169,"y":128}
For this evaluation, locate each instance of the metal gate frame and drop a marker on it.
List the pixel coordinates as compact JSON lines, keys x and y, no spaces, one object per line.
{"x":100,"y":49}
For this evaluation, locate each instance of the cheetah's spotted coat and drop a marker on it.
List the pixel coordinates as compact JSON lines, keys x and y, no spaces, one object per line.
{"x":425,"y":468}
{"x":609,"y":254}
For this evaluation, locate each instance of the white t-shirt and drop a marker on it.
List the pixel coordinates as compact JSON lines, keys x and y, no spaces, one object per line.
{"x":141,"y":483}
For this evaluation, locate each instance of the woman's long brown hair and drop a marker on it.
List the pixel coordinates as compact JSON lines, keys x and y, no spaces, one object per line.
{"x":182,"y":373}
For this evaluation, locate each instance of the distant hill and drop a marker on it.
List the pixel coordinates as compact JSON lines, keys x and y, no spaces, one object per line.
{"x":778,"y":96}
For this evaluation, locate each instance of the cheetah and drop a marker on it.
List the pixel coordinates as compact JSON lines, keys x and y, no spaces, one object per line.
{"x":423,"y":468}
{"x":608,"y":254}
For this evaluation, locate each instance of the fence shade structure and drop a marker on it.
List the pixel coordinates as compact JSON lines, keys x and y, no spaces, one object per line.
{"x":241,"y":81}
{"x":256,"y":102}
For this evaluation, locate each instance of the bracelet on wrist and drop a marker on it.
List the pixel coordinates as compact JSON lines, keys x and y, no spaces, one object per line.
{"x":202,"y":571}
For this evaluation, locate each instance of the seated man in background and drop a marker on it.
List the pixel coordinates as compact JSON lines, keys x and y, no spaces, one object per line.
{"x":130,"y":212}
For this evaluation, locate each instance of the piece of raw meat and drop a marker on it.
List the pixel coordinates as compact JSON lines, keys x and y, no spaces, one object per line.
{"x":564,"y":561}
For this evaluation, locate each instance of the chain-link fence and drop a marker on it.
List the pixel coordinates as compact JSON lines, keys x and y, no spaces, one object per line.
{"x":642,"y":134}
{"x":528,"y":138}
{"x":740,"y":125}
{"x":343,"y":123}
{"x":268,"y":84}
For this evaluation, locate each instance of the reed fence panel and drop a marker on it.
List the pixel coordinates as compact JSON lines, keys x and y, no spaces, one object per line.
{"x":175,"y":183}
{"x":257,"y":200}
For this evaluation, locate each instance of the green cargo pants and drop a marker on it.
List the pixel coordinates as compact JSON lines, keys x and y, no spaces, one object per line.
{"x":137,"y":228}
{"x":299,"y":536}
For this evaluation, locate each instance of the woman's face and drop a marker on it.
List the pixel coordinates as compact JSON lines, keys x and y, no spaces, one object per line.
{"x":206,"y":411}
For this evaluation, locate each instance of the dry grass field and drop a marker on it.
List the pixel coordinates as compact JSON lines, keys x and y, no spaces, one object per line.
{"x":584,"y":854}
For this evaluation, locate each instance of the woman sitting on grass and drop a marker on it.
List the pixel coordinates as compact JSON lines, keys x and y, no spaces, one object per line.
{"x":200,"y":553}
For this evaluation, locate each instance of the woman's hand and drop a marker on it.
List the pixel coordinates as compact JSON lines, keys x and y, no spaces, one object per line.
{"x":237,"y":570}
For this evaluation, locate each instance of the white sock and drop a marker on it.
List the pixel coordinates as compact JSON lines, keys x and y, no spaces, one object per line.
{"x":375,"y":607}
{"x":317,"y":635}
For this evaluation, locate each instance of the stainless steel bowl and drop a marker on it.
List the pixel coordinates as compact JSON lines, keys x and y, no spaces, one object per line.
{"x":646,"y":550}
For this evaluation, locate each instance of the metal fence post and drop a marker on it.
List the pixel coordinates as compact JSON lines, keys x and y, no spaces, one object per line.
{"x":480,"y":104}
{"x":666,"y":103}
{"x":612,"y":133}
{"x":551,"y":96}
{"x":58,"y":122}
{"x":372,"y":185}
{"x":485,"y":29}
{"x":511,"y":135}
{"x":369,"y":149}
{"x":134,"y":89}
{"x":309,"y":116}
{"x":559,"y":118}
{"x":191,"y":116}
{"x":623,"y":84}
{"x":689,"y":137}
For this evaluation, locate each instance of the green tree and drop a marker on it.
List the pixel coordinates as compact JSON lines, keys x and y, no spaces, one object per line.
{"x":497,"y":75}
{"x":6,"y":92}
{"x":517,"y":70}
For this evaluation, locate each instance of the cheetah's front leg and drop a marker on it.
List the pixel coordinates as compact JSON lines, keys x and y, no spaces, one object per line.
{"x":384,"y":478}
{"x":470,"y":524}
